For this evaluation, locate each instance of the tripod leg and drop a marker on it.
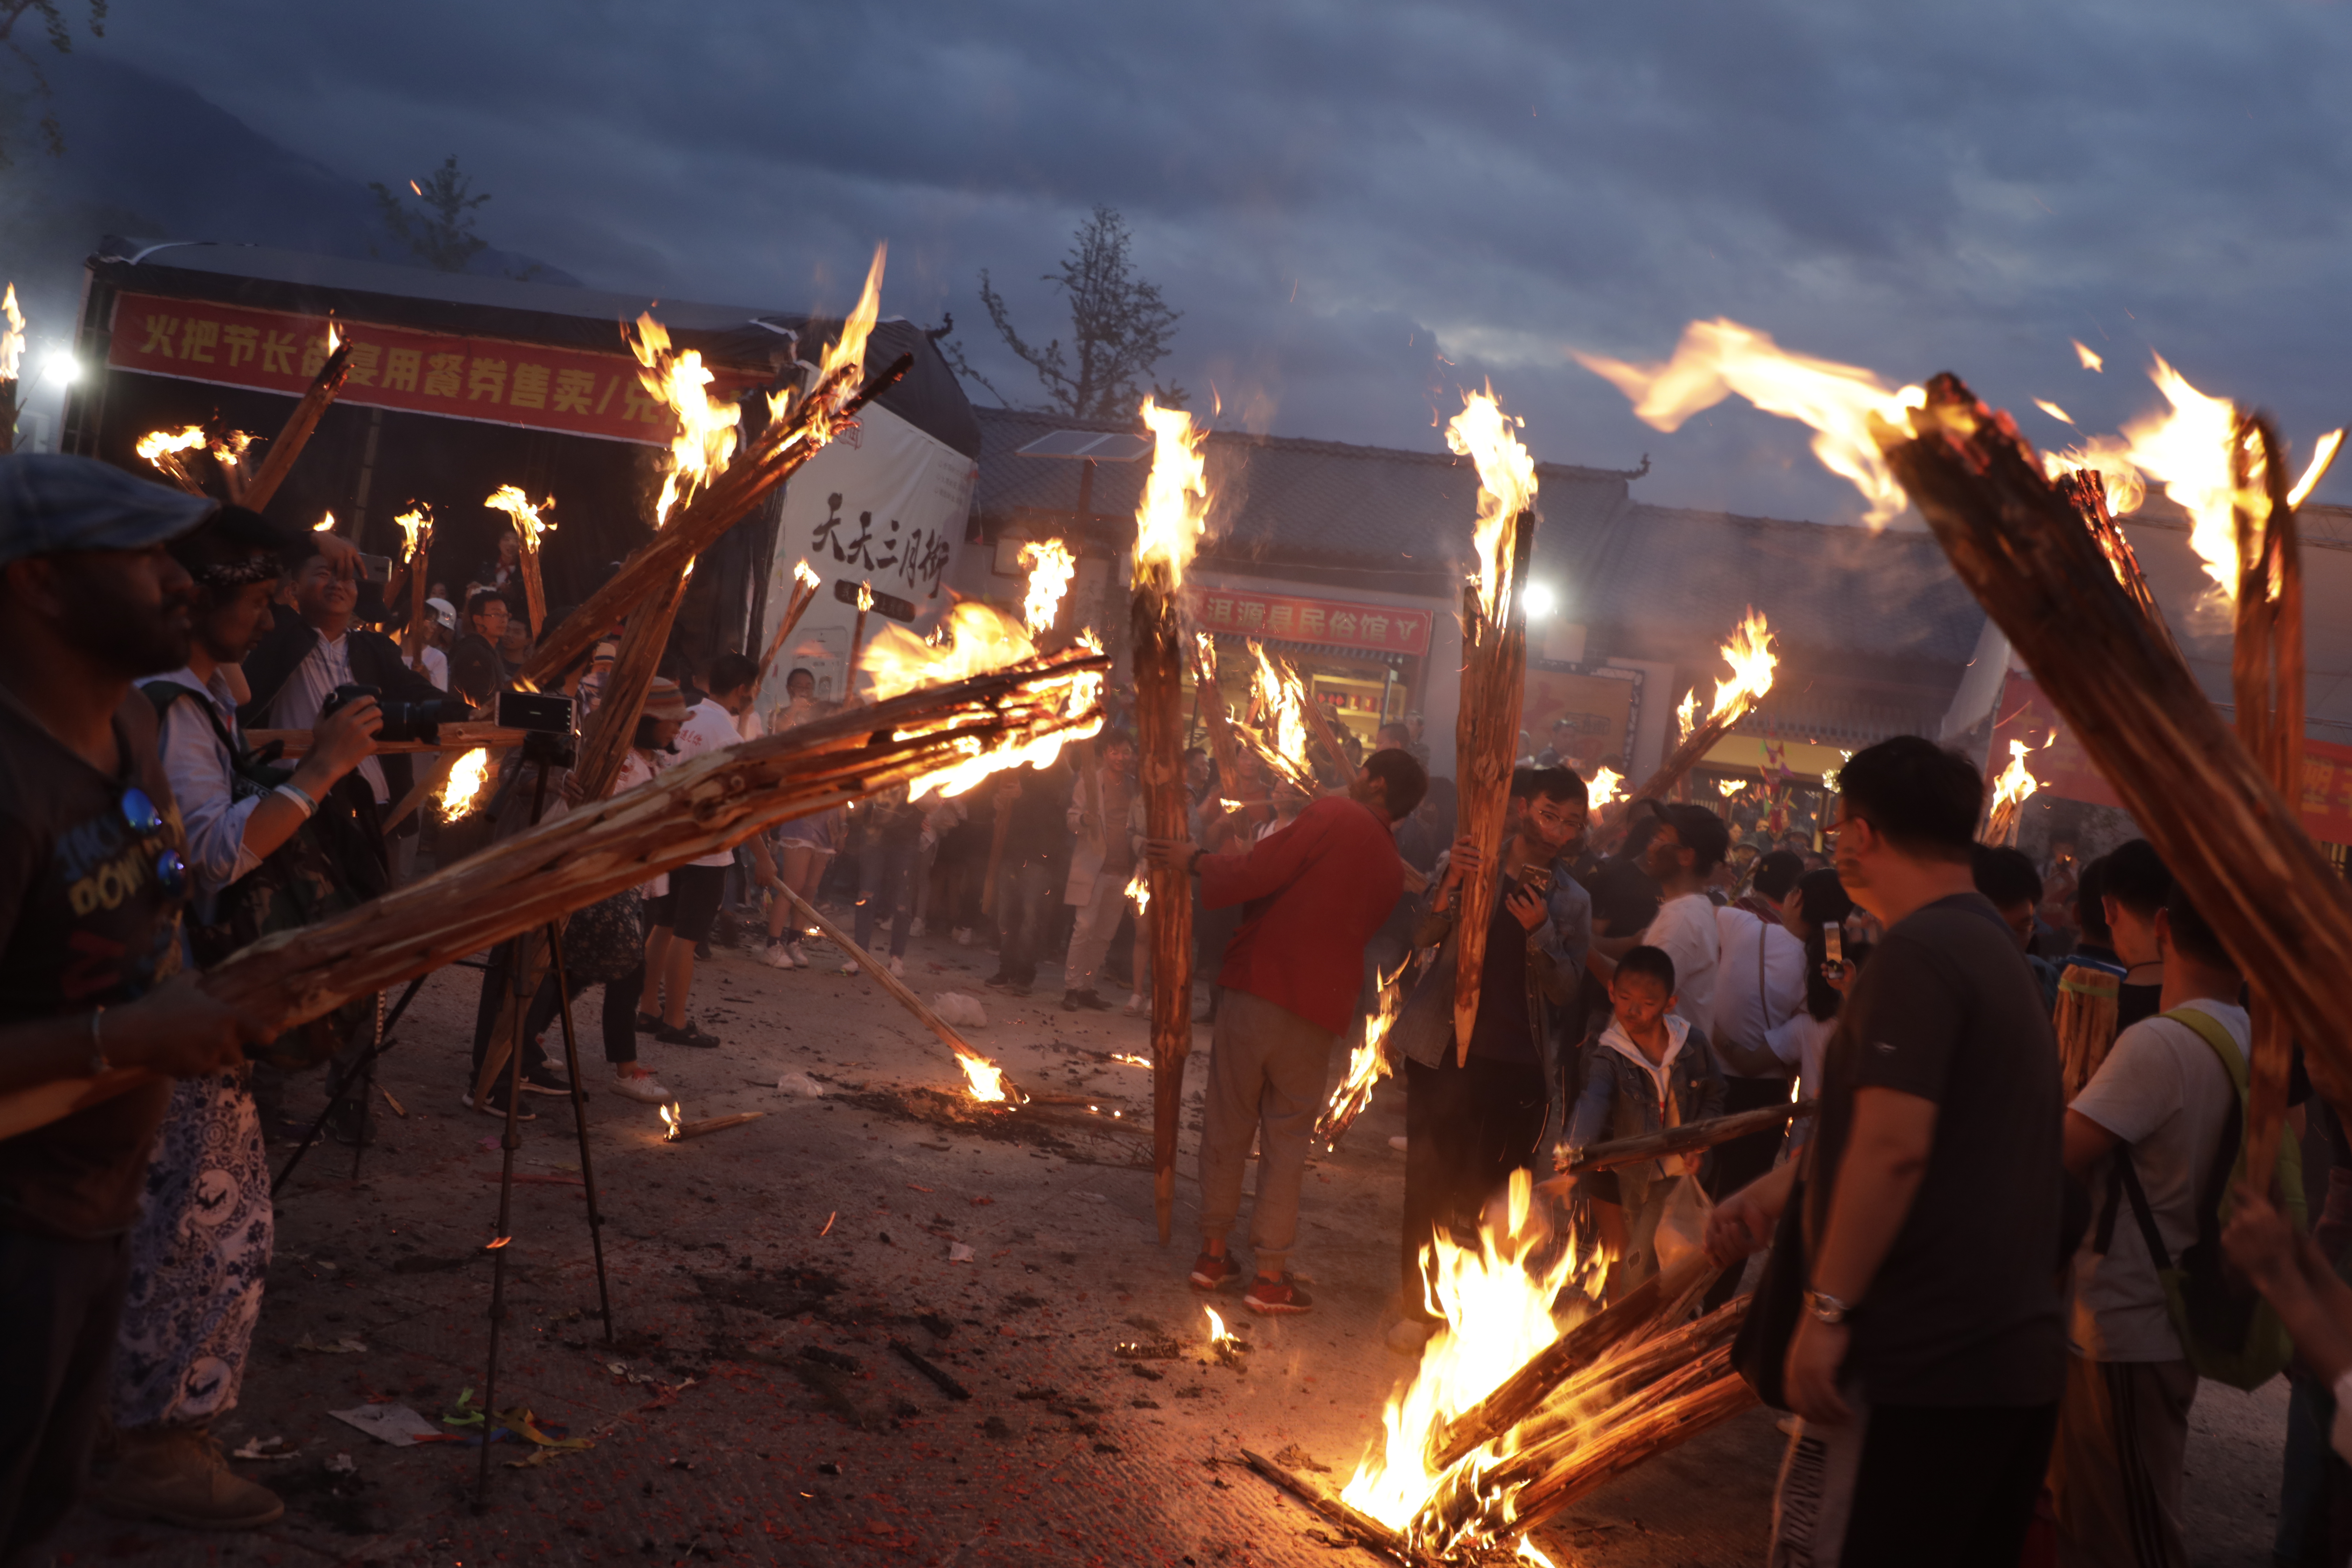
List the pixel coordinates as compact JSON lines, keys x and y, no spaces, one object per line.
{"x":579,"y":1122}
{"x":366,"y":1072}
{"x":319,"y":1122}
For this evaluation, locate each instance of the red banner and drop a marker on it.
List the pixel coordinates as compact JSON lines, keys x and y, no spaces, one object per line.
{"x":1375,"y":628}
{"x":2064,"y":769}
{"x":487,"y":379}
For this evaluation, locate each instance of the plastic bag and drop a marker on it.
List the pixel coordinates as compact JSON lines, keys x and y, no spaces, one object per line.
{"x":1682,"y":1224}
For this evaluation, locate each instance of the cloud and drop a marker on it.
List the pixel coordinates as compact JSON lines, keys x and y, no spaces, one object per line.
{"x":1345,"y":197}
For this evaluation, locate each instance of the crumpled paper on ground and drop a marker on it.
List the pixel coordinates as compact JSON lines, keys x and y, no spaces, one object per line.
{"x":395,"y":1424}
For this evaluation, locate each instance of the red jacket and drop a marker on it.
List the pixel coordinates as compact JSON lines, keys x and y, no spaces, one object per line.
{"x":1313,"y":894}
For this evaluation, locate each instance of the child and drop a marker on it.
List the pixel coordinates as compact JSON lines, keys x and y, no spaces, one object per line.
{"x":1649,"y":1070}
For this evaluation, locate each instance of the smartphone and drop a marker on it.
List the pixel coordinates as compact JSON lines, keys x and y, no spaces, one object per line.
{"x":1535,"y":878}
{"x":376,"y":568}
{"x":1834,"y":939}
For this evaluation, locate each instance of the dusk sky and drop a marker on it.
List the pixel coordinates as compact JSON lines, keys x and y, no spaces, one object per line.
{"x":1361,"y":207}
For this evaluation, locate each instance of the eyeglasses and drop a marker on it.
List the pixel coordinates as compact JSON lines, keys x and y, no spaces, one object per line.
{"x":139,"y":813}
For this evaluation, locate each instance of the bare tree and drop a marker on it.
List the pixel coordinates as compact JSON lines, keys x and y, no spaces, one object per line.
{"x":442,"y":236}
{"x":60,"y":35}
{"x":1120,"y":329}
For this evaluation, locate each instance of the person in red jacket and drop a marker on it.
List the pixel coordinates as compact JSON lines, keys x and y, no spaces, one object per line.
{"x":1312,"y":895}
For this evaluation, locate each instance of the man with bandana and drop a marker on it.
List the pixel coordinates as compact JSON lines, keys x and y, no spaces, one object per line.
{"x":201,"y":1250}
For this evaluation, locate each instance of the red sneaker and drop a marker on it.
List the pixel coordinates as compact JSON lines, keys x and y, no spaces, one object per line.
{"x":1269,"y":1296}
{"x":1209,"y":1273}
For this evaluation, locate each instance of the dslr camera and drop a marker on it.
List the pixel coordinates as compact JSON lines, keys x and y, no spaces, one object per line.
{"x":402,"y":720}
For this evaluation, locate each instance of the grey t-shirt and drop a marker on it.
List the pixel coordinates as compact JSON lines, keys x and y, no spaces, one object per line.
{"x":1966,"y":1309}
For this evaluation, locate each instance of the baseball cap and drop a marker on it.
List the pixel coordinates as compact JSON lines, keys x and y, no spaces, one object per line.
{"x":443,"y":612}
{"x":50,"y":503}
{"x":607,"y":652}
{"x":663,"y":701}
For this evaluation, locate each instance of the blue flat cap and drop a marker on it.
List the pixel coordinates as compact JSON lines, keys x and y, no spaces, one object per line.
{"x":50,"y":503}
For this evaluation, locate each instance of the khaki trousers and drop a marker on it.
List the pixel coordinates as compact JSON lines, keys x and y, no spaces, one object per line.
{"x":1267,"y":1067}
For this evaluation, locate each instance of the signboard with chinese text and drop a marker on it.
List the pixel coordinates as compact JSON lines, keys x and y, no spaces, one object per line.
{"x":492,"y":379}
{"x":2063,"y":768}
{"x":1374,"y":628}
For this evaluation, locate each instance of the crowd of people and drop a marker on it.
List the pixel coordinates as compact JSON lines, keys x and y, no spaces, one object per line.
{"x":1990,"y":1263}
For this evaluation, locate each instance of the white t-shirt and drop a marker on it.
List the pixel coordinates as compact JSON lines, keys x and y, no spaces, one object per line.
{"x":1684,"y":928}
{"x":708,"y":728}
{"x":2162,"y":1092}
{"x":1800,"y":1042}
{"x":1753,"y":997}
{"x":437,"y":666}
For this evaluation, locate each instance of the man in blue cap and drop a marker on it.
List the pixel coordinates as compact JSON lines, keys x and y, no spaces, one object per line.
{"x":92,"y":883}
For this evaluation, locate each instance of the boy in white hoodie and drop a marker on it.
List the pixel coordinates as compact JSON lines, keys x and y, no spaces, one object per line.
{"x":1650,"y":1069}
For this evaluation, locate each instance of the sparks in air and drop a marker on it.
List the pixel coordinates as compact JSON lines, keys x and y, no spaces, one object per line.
{"x":467,"y":779}
{"x":529,"y":521}
{"x":704,"y":439}
{"x":1507,"y":487}
{"x":2054,"y":412}
{"x":1051,"y":566}
{"x":2091,"y":362}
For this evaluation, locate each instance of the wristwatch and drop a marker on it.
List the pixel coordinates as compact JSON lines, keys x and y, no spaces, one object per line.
{"x":1826,"y":1307}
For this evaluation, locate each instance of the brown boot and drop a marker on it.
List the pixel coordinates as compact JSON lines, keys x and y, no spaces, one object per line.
{"x":178,"y":1475}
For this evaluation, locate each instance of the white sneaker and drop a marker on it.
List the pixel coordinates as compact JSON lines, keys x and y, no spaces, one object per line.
{"x":1137,"y":1002}
{"x":898,"y":966}
{"x":642,"y":1087}
{"x":778,"y":956}
{"x":800,"y":959}
{"x":915,"y":927}
{"x":848,"y":968}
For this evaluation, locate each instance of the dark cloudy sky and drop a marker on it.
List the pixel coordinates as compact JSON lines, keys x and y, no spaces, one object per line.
{"x":1360,"y":206}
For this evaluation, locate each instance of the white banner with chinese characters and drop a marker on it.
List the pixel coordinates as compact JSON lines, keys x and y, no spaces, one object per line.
{"x":888,"y":505}
{"x":1374,"y":628}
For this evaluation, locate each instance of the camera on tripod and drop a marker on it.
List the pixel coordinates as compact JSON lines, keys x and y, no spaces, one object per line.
{"x":546,"y":720}
{"x":402,"y":720}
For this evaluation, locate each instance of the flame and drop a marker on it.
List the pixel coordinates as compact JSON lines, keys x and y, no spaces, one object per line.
{"x":12,"y":338}
{"x":1175,"y":505}
{"x":2090,"y":361}
{"x":805,"y":575}
{"x":2054,"y":412}
{"x":1139,"y":889}
{"x":528,"y":522}
{"x":466,"y":780}
{"x":986,"y":1078}
{"x":2111,"y":460}
{"x":865,"y":597}
{"x":2017,"y":780}
{"x":672,"y":1117}
{"x":1217,"y":1332}
{"x":1051,"y":566}
{"x":162,"y":448}
{"x":415,"y":528}
{"x":980,"y":639}
{"x":1496,"y":1306}
{"x":1687,"y":716}
{"x":1367,"y":1063}
{"x":1608,"y":785}
{"x":2187,"y":451}
{"x":1133,"y":1061}
{"x":705,"y":425}
{"x":1715,"y":359}
{"x":1749,"y":653}
{"x":1530,"y":1553}
{"x":334,"y":338}
{"x":326,"y":524}
{"x":848,"y":351}
{"x":2321,"y":457}
{"x":1507,"y":487}
{"x":1281,"y":701}
{"x":1729,"y":787}
{"x":228,"y":449}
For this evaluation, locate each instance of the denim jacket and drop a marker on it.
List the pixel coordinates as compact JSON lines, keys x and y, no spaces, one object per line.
{"x":1621,"y":1100}
{"x":1556,"y":949}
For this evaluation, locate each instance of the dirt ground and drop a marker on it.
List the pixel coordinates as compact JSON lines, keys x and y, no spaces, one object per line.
{"x":756,"y":1404}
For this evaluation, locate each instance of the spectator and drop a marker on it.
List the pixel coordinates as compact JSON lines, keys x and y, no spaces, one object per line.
{"x":2090,"y":987}
{"x":1416,"y":744}
{"x":1761,"y":987}
{"x":695,"y":887}
{"x":475,"y":670}
{"x":2145,"y":1131}
{"x":1818,"y":902}
{"x":514,"y":647}
{"x":886,"y":873}
{"x":1036,"y":851}
{"x":2133,"y":886}
{"x":1625,"y":896}
{"x":1392,"y":736}
{"x":1650,"y":1070}
{"x":1688,"y":844}
{"x":1470,"y":1123}
{"x":599,"y":671}
{"x":1313,"y":893}
{"x":1931,"y":1351}
{"x":502,"y":574}
{"x":1102,"y":862}
{"x":1197,"y":768}
{"x":91,"y":600}
{"x":201,"y":1249}
{"x":1560,"y":753}
{"x":440,"y":632}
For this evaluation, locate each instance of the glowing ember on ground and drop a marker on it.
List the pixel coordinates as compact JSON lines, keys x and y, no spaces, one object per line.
{"x":1496,"y":1306}
{"x":986,"y":1078}
{"x":1507,"y":486}
{"x":671,"y":1115}
{"x":529,"y":525}
{"x":1219,"y":1338}
{"x":467,"y":778}
{"x":1133,"y":1061}
{"x":1051,"y":566}
{"x":1716,"y":359}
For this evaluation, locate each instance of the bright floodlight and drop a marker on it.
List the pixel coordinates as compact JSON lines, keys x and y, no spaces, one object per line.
{"x":61,"y":366}
{"x":1537,"y":599}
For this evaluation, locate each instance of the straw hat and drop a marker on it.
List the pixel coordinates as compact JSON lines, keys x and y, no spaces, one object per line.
{"x":663,"y":701}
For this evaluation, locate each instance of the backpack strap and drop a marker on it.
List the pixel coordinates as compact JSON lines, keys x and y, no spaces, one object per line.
{"x":2215,"y":1033}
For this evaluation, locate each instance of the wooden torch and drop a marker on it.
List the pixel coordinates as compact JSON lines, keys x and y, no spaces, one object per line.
{"x":1494,"y":677}
{"x":1175,"y":503}
{"x":277,"y":462}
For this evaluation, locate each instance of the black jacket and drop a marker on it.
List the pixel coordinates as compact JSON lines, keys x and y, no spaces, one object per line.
{"x":375,"y":661}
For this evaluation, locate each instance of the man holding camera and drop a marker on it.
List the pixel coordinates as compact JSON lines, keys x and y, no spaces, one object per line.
{"x":92,"y":975}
